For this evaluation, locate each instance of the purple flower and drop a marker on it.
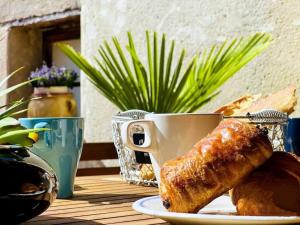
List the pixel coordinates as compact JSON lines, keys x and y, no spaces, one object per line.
{"x":53,"y":76}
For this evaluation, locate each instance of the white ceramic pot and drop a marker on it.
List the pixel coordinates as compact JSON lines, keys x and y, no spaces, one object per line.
{"x":168,"y":136}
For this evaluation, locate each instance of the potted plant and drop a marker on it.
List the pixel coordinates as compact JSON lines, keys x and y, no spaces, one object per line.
{"x":28,"y":184}
{"x":161,"y":84}
{"x":52,"y":96}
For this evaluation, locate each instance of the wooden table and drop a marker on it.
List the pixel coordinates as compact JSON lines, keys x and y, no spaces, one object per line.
{"x":99,"y":200}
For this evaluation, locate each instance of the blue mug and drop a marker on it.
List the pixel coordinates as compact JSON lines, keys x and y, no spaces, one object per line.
{"x":61,"y":147}
{"x":292,"y":136}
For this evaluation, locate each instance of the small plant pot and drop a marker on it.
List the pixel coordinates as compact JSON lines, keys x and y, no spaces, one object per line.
{"x":135,"y":167}
{"x":53,"y":101}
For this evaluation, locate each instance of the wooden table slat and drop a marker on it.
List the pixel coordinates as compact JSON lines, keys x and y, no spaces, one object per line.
{"x":104,"y":199}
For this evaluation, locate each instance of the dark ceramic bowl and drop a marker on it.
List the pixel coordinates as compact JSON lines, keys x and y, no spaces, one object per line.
{"x":28,"y":185}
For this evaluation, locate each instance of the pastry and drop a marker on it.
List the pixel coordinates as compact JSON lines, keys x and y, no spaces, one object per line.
{"x":238,"y":105}
{"x":147,"y":172}
{"x":213,"y":166}
{"x":271,"y":190}
{"x":283,"y":101}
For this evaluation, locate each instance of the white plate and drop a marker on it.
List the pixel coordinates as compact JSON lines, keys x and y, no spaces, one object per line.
{"x":219,"y":211}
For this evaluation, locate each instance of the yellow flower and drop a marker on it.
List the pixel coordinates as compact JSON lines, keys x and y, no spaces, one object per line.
{"x":33,"y":136}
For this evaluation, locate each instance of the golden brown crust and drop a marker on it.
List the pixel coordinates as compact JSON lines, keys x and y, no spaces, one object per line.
{"x":146,"y":172}
{"x":237,"y":105}
{"x":271,"y":190}
{"x":213,"y":166}
{"x":283,"y":101}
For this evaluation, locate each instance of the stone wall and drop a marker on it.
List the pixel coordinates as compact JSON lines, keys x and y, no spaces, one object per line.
{"x":19,"y":9}
{"x":21,"y":37}
{"x":24,"y":50}
{"x":3,"y":58}
{"x":196,"y":24}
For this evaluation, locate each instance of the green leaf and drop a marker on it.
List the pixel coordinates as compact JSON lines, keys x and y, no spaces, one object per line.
{"x":11,"y":132}
{"x":13,"y":88}
{"x":164,"y":84}
{"x":18,"y":136}
{"x":9,"y":76}
{"x":9,"y":121}
{"x":12,"y":108}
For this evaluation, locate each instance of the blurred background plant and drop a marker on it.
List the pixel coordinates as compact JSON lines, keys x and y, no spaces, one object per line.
{"x":11,"y":132}
{"x":162,"y":85}
{"x":53,"y":76}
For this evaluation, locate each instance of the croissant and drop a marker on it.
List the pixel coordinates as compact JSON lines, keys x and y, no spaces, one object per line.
{"x":213,"y":166}
{"x":271,"y":190}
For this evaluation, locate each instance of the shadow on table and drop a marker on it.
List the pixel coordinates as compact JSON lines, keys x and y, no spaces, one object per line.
{"x":108,"y":199}
{"x":51,"y":220}
{"x":79,"y":188}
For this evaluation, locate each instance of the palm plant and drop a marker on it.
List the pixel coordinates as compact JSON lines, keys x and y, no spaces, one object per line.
{"x":162,"y":85}
{"x":11,"y":132}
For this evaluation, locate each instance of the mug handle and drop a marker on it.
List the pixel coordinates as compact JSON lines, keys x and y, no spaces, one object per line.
{"x":47,"y":135}
{"x":149,"y":144}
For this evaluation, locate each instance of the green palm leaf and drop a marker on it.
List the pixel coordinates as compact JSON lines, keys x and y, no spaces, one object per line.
{"x":11,"y":132}
{"x":12,"y":108}
{"x":163,"y":84}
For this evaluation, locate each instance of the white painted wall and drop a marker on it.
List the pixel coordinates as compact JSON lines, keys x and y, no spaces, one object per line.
{"x":195,"y":24}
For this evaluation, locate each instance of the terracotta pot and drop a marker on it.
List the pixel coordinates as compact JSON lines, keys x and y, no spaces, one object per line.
{"x":52,"y":102}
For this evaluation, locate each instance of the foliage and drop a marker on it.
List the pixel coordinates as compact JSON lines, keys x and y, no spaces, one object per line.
{"x":162,"y":85}
{"x":11,"y":132}
{"x":53,"y":76}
